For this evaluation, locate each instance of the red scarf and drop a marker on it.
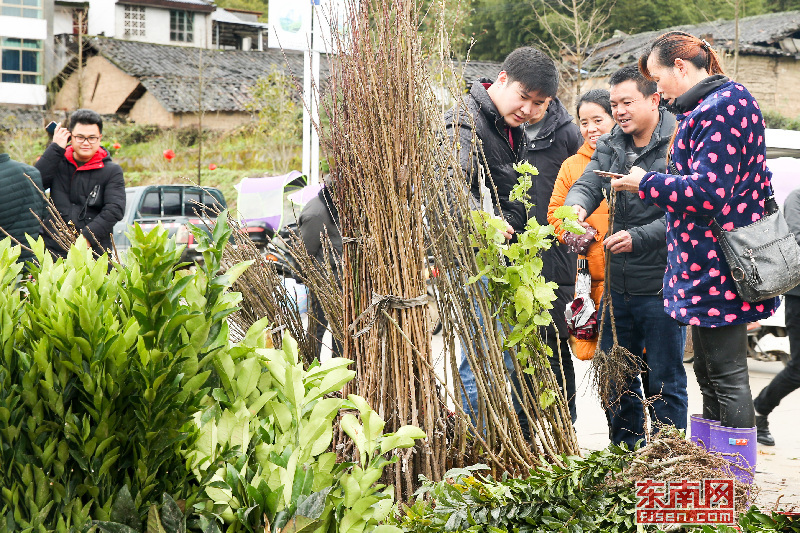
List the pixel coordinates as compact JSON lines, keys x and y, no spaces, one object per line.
{"x":94,"y":163}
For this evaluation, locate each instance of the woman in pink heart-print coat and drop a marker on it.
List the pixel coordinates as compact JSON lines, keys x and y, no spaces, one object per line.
{"x":718,"y":169}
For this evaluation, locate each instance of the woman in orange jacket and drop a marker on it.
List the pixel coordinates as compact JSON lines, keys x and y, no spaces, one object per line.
{"x":594,"y":119}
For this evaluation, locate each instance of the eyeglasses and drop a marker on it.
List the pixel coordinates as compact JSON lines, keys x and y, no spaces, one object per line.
{"x":626,"y":104}
{"x":80,"y":139}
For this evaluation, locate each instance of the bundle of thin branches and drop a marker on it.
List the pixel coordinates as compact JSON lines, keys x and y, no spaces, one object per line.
{"x":380,"y":144}
{"x":322,"y":281}
{"x":63,"y":233}
{"x":611,"y":370}
{"x":671,"y":457}
{"x":263,"y":295}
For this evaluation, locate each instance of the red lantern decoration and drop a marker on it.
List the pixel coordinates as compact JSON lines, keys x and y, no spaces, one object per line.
{"x":169,"y":154}
{"x":212,"y":166}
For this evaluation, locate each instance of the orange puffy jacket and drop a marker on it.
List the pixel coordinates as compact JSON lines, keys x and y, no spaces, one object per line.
{"x":571,"y":170}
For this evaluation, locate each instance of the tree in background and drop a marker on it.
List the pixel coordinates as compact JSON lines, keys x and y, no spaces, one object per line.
{"x":279,"y":116}
{"x":248,"y":5}
{"x":573,"y":26}
{"x":500,"y":26}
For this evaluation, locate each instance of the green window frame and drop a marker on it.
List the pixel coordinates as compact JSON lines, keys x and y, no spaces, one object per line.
{"x":21,"y":60}
{"x":21,"y":8}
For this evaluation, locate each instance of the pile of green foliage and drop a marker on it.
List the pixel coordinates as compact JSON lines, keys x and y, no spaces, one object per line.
{"x":587,"y":494}
{"x":123,"y":404}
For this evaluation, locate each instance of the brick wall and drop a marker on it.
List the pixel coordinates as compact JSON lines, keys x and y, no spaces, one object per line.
{"x":105,"y":88}
{"x":772,"y":80}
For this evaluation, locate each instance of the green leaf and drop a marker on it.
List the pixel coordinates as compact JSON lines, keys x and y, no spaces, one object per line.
{"x":124,"y":510}
{"x":405,"y":437}
{"x":113,"y":527}
{"x":171,"y":516}
{"x":355,"y":431}
{"x":248,"y":376}
{"x":523,"y":300}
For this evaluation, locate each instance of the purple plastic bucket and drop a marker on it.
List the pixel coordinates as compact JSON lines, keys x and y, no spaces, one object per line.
{"x":700,"y":429}
{"x":741,"y":441}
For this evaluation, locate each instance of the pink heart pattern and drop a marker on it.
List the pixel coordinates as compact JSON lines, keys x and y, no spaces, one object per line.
{"x":719,"y":152}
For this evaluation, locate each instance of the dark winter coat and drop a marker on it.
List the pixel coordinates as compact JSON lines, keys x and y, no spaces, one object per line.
{"x":791,"y":211}
{"x":91,"y":196}
{"x":720,"y":156}
{"x":641,"y":271}
{"x":558,"y":139}
{"x":319,"y":216}
{"x":20,"y":197}
{"x":494,"y":159}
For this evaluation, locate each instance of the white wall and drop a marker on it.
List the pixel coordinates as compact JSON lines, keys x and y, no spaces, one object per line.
{"x":22,"y":93}
{"x":23,"y":28}
{"x":62,"y":20}
{"x":157,"y":27}
{"x":101,"y":17}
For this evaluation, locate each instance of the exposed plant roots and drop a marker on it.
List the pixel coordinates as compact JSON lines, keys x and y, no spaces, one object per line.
{"x":670,"y":457}
{"x":611,"y":370}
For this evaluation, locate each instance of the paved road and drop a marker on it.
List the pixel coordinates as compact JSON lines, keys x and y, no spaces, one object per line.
{"x":778,"y":467}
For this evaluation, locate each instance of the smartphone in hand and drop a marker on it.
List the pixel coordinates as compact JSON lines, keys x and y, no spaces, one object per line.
{"x":605,"y":174}
{"x":51,"y":128}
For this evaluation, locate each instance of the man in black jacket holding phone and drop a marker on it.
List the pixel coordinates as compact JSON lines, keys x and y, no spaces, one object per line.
{"x":86,"y":188}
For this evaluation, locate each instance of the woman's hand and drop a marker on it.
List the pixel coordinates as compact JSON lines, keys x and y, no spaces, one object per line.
{"x":629,"y":182}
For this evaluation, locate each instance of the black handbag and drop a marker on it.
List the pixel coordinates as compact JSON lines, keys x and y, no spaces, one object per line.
{"x":764,"y":257}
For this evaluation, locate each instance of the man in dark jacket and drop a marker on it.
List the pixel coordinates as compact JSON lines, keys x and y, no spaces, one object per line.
{"x":21,"y":200}
{"x":86,"y":188}
{"x":489,"y":124}
{"x":319,"y":217}
{"x":638,"y":258}
{"x":788,"y":379}
{"x":549,"y":139}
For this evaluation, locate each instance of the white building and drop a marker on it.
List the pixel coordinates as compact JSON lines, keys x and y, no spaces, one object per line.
{"x":23,"y":45}
{"x":176,"y":22}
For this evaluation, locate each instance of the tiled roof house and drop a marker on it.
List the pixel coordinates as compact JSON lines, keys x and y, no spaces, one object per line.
{"x":769,"y":50}
{"x":160,"y":84}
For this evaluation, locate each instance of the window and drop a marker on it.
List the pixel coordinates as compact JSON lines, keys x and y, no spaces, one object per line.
{"x":21,"y":8}
{"x":134,"y":21}
{"x":21,"y":61}
{"x":172,"y":203}
{"x":181,"y":26}
{"x":151,"y":205}
{"x":191,"y":202}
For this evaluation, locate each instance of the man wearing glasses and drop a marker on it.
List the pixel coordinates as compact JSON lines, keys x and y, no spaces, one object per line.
{"x":86,"y":188}
{"x":638,"y":259}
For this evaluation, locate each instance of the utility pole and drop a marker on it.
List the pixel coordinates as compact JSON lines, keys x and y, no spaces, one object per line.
{"x":200,"y":110}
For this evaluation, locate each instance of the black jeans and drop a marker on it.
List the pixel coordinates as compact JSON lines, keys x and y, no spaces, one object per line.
{"x":720,"y":365}
{"x":788,"y":380}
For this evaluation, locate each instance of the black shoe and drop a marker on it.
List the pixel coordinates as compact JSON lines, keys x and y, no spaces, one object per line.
{"x":763,"y":436}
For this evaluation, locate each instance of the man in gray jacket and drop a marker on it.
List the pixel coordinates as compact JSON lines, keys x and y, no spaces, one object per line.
{"x":21,"y":200}
{"x":638,"y":259}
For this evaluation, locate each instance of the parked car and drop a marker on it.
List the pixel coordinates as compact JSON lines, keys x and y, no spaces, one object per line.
{"x":175,"y":207}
